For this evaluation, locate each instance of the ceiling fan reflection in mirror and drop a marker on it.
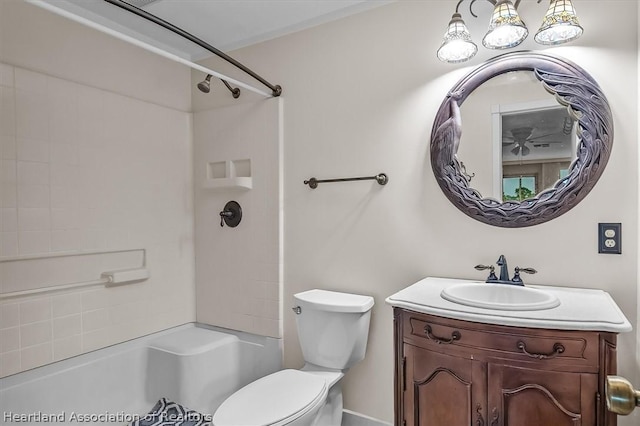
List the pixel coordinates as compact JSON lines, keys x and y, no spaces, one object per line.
{"x":522,"y":135}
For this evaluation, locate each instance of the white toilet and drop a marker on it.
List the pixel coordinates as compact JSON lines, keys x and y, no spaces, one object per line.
{"x":333,"y":329}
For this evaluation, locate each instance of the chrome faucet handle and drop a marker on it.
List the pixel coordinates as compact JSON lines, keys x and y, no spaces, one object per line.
{"x":492,"y":271}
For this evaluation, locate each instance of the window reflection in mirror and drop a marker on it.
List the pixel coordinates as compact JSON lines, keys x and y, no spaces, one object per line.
{"x":517,"y":140}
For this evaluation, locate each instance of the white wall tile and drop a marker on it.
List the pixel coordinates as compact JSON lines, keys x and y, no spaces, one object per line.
{"x":8,"y":172}
{"x":9,"y":339}
{"x":64,"y":174}
{"x":64,"y":218}
{"x":8,"y":195}
{"x":9,"y":219}
{"x":31,"y":115}
{"x":66,"y":240}
{"x":32,"y":173}
{"x":67,"y":347}
{"x":30,"y":81}
{"x":9,"y":315}
{"x":6,"y":75}
{"x":67,"y":326}
{"x":97,"y":339}
{"x":94,"y":320}
{"x":63,"y":197}
{"x":7,"y":146}
{"x":34,"y":242}
{"x":9,"y":363}
{"x":35,"y":311}
{"x":34,"y":219}
{"x":64,"y":153}
{"x":33,"y":196}
{"x":63,"y":111}
{"x":272,"y":309}
{"x":95,"y":299}
{"x":35,"y":333}
{"x":8,"y":244}
{"x":35,"y":356}
{"x":66,"y":304}
{"x":32,"y":150}
{"x":7,"y":111}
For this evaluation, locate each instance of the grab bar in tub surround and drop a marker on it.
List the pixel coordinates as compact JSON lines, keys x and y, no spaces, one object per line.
{"x":122,"y":274}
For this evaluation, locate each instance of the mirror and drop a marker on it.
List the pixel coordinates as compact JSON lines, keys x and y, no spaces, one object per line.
{"x":521,"y":139}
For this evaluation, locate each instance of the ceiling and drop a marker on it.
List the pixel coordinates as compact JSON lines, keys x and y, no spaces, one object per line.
{"x":224,"y":24}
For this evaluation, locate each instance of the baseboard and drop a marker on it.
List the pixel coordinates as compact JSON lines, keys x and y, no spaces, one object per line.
{"x":351,"y":418}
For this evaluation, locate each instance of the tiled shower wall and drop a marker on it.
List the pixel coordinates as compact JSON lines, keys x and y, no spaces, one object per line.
{"x":239,"y":270}
{"x":84,"y":169}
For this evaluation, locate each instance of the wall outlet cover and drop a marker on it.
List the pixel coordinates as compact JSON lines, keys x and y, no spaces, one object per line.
{"x":610,"y":238}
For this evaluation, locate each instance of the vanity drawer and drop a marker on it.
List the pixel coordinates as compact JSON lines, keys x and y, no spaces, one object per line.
{"x":569,"y":350}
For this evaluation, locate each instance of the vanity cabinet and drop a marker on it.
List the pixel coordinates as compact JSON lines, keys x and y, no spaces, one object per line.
{"x":451,"y":372}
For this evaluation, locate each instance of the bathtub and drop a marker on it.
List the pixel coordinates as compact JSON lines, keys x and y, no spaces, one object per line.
{"x":195,"y":365}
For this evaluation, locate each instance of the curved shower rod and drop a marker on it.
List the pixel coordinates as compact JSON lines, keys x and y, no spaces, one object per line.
{"x":276,"y":90}
{"x":146,"y":46}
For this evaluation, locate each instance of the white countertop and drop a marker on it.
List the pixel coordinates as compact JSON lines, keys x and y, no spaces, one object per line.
{"x":579,"y":309}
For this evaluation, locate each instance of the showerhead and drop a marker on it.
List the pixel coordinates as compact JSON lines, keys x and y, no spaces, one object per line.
{"x":205,"y":85}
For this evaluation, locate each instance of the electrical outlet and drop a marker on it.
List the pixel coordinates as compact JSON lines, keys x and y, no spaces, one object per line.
{"x":610,"y":238}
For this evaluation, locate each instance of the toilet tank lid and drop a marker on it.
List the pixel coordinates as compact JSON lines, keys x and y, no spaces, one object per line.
{"x":333,"y":301}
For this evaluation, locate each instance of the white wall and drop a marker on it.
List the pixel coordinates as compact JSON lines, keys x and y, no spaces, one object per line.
{"x":360,"y":95}
{"x":96,"y":155}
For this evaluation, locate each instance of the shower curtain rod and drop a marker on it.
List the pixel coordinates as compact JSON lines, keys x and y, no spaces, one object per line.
{"x":276,"y":90}
{"x":71,"y":16}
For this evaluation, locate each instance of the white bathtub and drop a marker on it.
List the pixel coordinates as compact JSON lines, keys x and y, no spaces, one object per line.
{"x":195,"y":365}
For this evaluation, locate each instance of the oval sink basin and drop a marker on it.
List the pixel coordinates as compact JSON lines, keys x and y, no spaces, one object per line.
{"x":503,"y":297}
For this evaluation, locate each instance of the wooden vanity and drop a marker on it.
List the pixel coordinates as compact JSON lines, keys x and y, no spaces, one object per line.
{"x":469,"y":371}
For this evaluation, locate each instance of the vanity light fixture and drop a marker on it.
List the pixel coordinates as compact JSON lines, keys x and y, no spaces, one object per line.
{"x":457,"y":45}
{"x":560,"y":24}
{"x":507,"y":30}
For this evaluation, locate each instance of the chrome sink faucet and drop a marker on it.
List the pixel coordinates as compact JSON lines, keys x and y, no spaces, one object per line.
{"x":504,"y":272}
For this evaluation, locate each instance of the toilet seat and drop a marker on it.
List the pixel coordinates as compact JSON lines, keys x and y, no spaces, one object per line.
{"x":274,"y":400}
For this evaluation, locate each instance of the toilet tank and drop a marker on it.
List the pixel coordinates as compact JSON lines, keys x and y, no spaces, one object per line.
{"x":333,"y":327}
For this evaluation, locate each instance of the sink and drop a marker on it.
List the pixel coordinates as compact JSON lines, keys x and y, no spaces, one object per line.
{"x":504,"y":297}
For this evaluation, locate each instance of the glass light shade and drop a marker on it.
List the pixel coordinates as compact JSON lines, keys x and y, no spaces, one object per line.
{"x":457,"y":45}
{"x":506,"y":29}
{"x":560,"y":24}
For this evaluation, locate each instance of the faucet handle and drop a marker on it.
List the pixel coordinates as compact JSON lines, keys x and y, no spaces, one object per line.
{"x":484,"y":267}
{"x":492,"y":273}
{"x":516,"y":276}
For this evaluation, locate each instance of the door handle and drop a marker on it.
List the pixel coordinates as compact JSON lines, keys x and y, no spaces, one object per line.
{"x":622,"y":398}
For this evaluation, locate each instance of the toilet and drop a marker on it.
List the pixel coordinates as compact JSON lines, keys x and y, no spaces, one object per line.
{"x":333,"y":329}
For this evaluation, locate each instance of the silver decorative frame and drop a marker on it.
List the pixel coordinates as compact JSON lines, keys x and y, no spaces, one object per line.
{"x":574,"y":88}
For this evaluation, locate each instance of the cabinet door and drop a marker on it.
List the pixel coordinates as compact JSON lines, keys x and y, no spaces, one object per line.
{"x":526,"y":397}
{"x":443,"y":390}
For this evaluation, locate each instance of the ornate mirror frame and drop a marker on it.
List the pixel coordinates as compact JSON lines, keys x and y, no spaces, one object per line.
{"x":572,"y":87}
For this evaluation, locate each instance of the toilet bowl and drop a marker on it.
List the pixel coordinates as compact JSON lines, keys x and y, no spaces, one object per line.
{"x":333,"y":328}
{"x":288,"y":397}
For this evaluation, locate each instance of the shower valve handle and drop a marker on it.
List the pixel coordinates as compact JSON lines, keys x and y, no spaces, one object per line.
{"x":225,"y":214}
{"x":231,"y":215}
